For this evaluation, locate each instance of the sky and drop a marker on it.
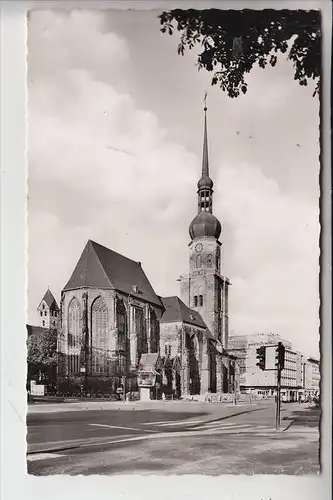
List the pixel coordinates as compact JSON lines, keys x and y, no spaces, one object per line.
{"x":115,"y":131}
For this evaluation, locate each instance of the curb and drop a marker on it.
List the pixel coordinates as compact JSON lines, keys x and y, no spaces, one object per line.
{"x":53,"y":450}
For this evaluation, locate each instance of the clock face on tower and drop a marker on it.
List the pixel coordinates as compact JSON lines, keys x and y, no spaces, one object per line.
{"x":198,"y":247}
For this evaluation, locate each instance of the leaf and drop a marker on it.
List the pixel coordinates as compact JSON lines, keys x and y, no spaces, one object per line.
{"x":234,"y":41}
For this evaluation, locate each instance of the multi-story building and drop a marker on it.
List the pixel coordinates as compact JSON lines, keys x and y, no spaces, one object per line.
{"x":253,"y":379}
{"x":311,"y":377}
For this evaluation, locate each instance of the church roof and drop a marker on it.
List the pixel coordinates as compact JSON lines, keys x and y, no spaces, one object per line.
{"x":100,"y":267}
{"x":50,"y":300}
{"x":177,"y":311}
{"x":31,"y":330}
{"x":150,"y":362}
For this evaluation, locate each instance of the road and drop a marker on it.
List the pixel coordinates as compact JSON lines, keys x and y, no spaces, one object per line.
{"x":172,"y":438}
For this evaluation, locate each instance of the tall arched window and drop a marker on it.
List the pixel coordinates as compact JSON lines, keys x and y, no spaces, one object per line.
{"x":199,"y":261}
{"x":195,"y":300}
{"x":121,"y":325}
{"x":154,"y":332}
{"x":200,"y":300}
{"x":74,"y":323}
{"x":99,"y":336}
{"x":74,"y":335}
{"x":140,"y":330}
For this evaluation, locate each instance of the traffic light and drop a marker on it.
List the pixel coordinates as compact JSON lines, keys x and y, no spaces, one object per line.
{"x":280,"y":356}
{"x":261,"y":357}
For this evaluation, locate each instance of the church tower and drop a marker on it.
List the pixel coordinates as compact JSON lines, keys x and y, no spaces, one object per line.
{"x":48,"y":311}
{"x":205,"y":289}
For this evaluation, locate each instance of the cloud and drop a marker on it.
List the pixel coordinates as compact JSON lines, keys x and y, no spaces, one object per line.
{"x":102,"y":167}
{"x":275,"y":260}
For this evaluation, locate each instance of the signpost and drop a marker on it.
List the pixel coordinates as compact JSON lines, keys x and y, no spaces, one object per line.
{"x":280,"y":357}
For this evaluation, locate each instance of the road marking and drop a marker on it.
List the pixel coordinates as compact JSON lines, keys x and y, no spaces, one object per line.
{"x":42,"y":456}
{"x":156,"y":423}
{"x":217,"y":425}
{"x":120,"y":427}
{"x":180,"y":422}
{"x":172,"y":435}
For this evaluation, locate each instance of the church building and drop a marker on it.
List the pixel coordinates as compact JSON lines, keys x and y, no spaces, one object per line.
{"x":114,"y":327}
{"x":48,"y":311}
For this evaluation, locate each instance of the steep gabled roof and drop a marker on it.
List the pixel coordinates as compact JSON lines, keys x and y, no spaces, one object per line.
{"x":50,"y":300}
{"x":100,"y":267}
{"x":177,"y":311}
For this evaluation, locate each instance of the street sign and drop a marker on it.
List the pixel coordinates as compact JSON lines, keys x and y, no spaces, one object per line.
{"x":37,"y":390}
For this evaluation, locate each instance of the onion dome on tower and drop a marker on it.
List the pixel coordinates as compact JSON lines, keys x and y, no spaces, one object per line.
{"x":205,"y":223}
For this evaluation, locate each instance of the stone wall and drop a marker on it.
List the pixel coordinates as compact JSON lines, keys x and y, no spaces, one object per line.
{"x":123,"y":358}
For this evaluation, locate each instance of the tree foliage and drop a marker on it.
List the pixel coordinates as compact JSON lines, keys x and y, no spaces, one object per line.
{"x":42,"y":348}
{"x":231,"y":42}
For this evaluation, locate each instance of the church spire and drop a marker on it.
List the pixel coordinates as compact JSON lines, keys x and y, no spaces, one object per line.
{"x":205,"y":163}
{"x":205,"y":184}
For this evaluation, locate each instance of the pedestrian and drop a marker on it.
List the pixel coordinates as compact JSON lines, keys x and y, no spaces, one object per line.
{"x":299,"y":398}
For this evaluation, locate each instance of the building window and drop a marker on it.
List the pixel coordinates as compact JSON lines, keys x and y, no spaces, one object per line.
{"x":43,"y":306}
{"x":74,"y":361}
{"x":43,"y":323}
{"x":121,"y":325}
{"x":140,"y":328}
{"x":53,"y":323}
{"x":200,"y":300}
{"x":99,"y":335}
{"x":41,"y":313}
{"x":74,"y":323}
{"x":45,"y":313}
{"x":195,"y":302}
{"x":154,"y":332}
{"x":167,"y":350}
{"x":209,"y":260}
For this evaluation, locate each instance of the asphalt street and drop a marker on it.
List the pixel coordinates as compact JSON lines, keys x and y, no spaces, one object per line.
{"x":170,"y":438}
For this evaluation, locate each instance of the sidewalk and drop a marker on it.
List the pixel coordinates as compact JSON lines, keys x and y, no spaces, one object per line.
{"x":300,"y":418}
{"x":174,"y":406}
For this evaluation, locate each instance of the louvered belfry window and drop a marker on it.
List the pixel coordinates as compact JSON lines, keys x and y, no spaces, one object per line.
{"x":99,"y":337}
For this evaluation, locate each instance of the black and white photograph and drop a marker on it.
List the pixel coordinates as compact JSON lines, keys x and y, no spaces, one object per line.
{"x":173,"y":256}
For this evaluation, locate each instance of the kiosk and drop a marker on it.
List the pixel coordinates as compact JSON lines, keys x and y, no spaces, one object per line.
{"x":148,"y":376}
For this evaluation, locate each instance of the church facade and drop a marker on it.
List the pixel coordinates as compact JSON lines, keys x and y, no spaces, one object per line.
{"x":113,"y":325}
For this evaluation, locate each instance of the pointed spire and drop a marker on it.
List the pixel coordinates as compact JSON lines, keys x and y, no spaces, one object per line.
{"x":205,"y":164}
